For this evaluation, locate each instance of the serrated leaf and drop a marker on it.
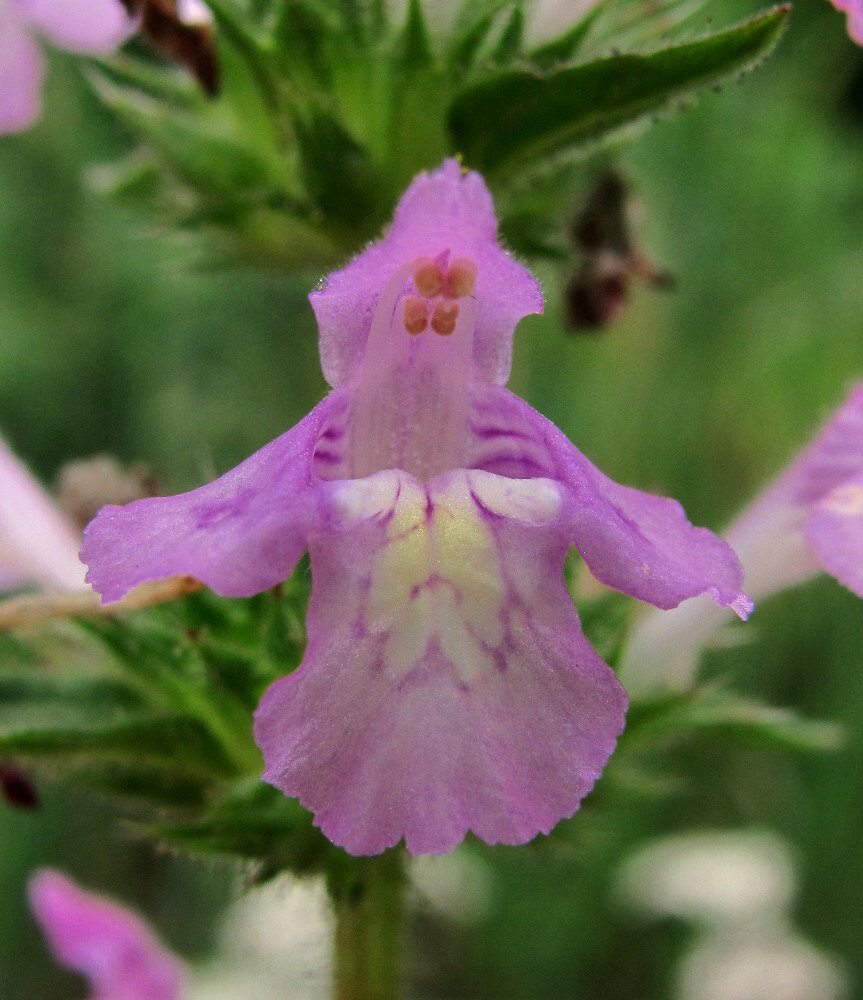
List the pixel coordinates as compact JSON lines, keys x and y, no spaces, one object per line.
{"x":565,"y":47}
{"x":413,"y":50}
{"x":213,"y":164}
{"x":573,"y":106}
{"x":178,"y":742}
{"x":254,"y":821}
{"x":510,"y":42}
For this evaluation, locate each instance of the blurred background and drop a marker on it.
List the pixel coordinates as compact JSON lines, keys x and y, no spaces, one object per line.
{"x":753,"y":200}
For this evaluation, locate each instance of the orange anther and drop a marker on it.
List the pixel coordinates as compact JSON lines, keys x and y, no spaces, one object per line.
{"x":416,"y":316}
{"x":443,"y":317}
{"x":428,"y":277}
{"x":460,"y":278}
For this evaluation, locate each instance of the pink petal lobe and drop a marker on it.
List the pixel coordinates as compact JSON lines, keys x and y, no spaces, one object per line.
{"x":21,"y":72}
{"x":447,"y":685}
{"x":445,"y":211}
{"x":640,"y":544}
{"x":84,"y":26}
{"x":106,"y":943}
{"x":240,"y":534}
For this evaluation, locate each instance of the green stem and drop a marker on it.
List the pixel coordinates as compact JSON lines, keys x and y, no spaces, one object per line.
{"x":367,"y":897}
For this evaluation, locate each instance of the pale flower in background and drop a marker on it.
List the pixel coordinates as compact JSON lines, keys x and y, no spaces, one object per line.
{"x":274,"y":943}
{"x":737,"y":888}
{"x":38,"y":544}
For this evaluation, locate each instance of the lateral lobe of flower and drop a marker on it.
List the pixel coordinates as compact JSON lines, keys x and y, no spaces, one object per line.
{"x":240,"y":534}
{"x":640,"y":544}
{"x":447,"y":685}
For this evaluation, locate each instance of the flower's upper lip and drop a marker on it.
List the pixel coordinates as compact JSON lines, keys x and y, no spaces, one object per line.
{"x":446,"y":211}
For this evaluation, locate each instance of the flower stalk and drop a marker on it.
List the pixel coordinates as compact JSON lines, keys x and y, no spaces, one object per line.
{"x":368,"y":900}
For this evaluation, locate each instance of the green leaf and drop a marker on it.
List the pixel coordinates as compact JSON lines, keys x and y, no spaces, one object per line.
{"x":414,"y":47}
{"x":215,"y":164}
{"x":573,"y":106}
{"x":176,"y":742}
{"x":174,"y":86}
{"x":510,"y":42}
{"x":234,"y":28}
{"x":713,"y":708}
{"x":565,"y":47}
{"x":300,"y":36}
{"x":33,"y":701}
{"x":254,"y":821}
{"x":337,"y":171}
{"x":468,"y":42}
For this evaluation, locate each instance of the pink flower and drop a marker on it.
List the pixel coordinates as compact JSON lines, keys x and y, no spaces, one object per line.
{"x":854,"y":10}
{"x":447,"y":685}
{"x":84,"y":26}
{"x":808,"y":520}
{"x":115,"y":950}
{"x":37,"y":544}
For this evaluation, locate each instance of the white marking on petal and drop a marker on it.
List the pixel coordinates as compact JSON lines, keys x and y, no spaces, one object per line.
{"x":534,"y":501}
{"x":845,"y":500}
{"x":356,"y":500}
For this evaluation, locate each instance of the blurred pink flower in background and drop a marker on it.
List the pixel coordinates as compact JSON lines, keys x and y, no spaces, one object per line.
{"x":854,"y":10}
{"x":88,"y":27}
{"x":111,"y":947}
{"x":38,"y":545}
{"x":808,"y":520}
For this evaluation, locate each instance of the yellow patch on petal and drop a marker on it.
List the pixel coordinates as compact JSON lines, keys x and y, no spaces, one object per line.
{"x":438,"y":578}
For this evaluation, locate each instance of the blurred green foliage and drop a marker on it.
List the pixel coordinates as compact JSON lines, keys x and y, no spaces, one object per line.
{"x":753,"y":200}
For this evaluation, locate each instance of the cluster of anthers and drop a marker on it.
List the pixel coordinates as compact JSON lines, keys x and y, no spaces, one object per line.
{"x":436,"y":304}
